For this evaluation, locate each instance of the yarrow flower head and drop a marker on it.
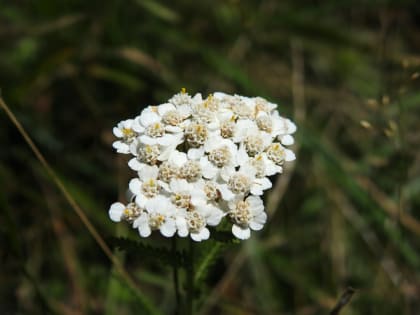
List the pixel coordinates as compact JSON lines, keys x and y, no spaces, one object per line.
{"x":201,"y":162}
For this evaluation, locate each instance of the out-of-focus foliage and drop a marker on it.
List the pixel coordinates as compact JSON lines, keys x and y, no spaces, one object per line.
{"x":347,"y":213}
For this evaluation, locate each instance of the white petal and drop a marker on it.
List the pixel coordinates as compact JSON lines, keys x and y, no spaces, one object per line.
{"x":135,"y":186}
{"x":148,"y":140}
{"x":142,"y":220}
{"x":127,"y":123}
{"x":227,"y":194}
{"x":259,"y":185}
{"x":261,"y":218}
{"x":121,"y":147}
{"x":195,"y":237}
{"x":182,"y":227}
{"x":227,"y":172}
{"x":248,"y":171}
{"x":141,"y":200}
{"x":256,"y":190}
{"x":116,"y":211}
{"x":137,"y":127}
{"x":117,"y":132}
{"x":290,"y":156}
{"x":197,"y":98}
{"x":159,"y":204}
{"x":165,"y":186}
{"x":166,"y":140}
{"x":148,"y":117}
{"x":165,"y":153}
{"x":179,"y":185}
{"x":177,"y":158}
{"x":148,"y":172}
{"x":184,"y":110}
{"x":287,"y":140}
{"x":133,"y":148}
{"x":215,"y":216}
{"x":219,"y":95}
{"x":291,"y":127}
{"x":173,"y":129}
{"x":248,"y":101}
{"x":256,"y":226}
{"x":256,"y":204}
{"x":243,"y":128}
{"x":135,"y":164}
{"x":208,"y":170}
{"x":145,"y":230}
{"x":241,"y":233}
{"x":164,"y":108}
{"x":195,"y":154}
{"x":242,"y":157}
{"x":198,"y":197}
{"x":271,"y":168}
{"x":214,"y":125}
{"x":202,"y":235}
{"x":168,"y":229}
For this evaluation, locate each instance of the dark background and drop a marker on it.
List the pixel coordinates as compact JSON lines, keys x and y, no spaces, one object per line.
{"x":346,"y":213}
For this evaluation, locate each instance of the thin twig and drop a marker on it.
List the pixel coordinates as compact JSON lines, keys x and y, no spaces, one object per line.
{"x":343,"y":301}
{"x":298,"y":93}
{"x":68,"y":251}
{"x":80,"y":213}
{"x":371,"y":239}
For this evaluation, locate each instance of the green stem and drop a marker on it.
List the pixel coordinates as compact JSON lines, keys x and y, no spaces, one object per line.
{"x":175,"y":278}
{"x":190,"y":279}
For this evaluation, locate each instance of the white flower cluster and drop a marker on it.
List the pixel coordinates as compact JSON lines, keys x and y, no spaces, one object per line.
{"x":201,"y":160}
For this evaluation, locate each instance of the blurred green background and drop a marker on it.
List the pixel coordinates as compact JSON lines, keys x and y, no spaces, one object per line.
{"x":345,"y":214}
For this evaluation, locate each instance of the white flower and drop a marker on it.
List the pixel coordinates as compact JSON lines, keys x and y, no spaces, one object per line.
{"x":201,"y":160}
{"x":194,"y":222}
{"x":243,"y":182}
{"x":221,"y":157}
{"x":177,"y":158}
{"x":262,"y":105}
{"x":124,"y":131}
{"x":207,"y":112}
{"x":278,"y":154}
{"x":242,"y":107}
{"x":263,"y":165}
{"x":146,"y":154}
{"x":246,"y":215}
{"x":119,"y":211}
{"x":243,"y":128}
{"x":147,"y":186}
{"x":158,"y":216}
{"x":185,"y":195}
{"x":152,"y":130}
{"x":184,"y":99}
{"x":277,"y":126}
{"x":174,"y":117}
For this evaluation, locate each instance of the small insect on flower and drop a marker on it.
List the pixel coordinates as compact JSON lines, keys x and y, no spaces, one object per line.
{"x":202,"y":161}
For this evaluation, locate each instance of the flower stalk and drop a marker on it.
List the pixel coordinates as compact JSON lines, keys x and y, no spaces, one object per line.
{"x":190,"y":279}
{"x":176,"y":278}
